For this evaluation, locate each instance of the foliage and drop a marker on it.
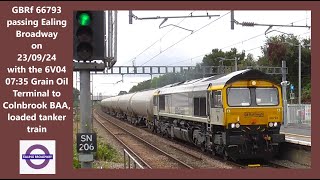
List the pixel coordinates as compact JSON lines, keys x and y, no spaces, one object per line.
{"x":105,"y":152}
{"x":213,"y":59}
{"x":76,"y":94}
{"x":141,"y":86}
{"x":76,"y":163}
{"x":306,"y":93}
{"x":291,"y":56}
{"x":276,"y":50}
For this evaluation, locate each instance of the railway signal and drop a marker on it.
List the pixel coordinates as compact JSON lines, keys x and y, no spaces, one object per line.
{"x":88,"y":45}
{"x":88,"y":35}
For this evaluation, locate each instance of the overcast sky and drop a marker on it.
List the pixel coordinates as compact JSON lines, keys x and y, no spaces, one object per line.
{"x":176,"y":46}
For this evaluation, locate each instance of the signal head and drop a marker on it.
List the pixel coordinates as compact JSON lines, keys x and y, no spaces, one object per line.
{"x":84,"y":18}
{"x":88,"y":35}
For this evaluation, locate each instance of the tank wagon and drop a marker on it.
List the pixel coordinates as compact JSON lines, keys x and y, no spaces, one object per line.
{"x":237,"y":115}
{"x":136,"y":108}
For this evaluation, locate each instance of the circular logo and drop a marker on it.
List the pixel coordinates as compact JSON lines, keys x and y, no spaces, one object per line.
{"x":44,"y":163}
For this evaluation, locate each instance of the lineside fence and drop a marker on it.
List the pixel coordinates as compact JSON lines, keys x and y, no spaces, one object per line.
{"x":299,"y":114}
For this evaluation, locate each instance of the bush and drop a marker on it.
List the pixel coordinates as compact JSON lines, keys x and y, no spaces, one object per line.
{"x":76,"y":163}
{"x":105,"y":152}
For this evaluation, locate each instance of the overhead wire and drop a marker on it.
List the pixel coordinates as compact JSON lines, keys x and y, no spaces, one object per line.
{"x":155,"y":42}
{"x":207,"y":53}
{"x":257,"y":35}
{"x":241,"y":42}
{"x":184,"y":38}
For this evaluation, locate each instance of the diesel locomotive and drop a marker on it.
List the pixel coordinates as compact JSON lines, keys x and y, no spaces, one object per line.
{"x":236,"y":115}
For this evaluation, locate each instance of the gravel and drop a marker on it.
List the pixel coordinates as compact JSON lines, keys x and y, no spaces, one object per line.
{"x":173,"y":148}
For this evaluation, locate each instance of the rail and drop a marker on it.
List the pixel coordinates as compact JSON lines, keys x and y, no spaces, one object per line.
{"x":144,"y":142}
{"x":123,"y":144}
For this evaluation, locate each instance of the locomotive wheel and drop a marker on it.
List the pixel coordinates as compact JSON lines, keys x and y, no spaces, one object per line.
{"x":225,"y":155}
{"x":167,"y":134}
{"x":203,"y":149}
{"x":213,"y":152}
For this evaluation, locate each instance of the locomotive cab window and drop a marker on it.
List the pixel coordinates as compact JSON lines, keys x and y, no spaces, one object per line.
{"x":216,"y":99}
{"x":267,"y":96}
{"x":155,"y":101}
{"x":238,"y":97}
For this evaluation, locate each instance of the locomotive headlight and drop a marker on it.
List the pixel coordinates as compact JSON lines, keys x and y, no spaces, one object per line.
{"x":270,"y":124}
{"x":237,"y":125}
{"x":233,"y":125}
{"x":275,"y":124}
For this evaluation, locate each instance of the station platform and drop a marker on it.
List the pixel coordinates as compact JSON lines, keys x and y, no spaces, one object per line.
{"x":297,"y":133}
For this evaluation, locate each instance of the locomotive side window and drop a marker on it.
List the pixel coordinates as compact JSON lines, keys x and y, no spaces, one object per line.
{"x":162,"y":102}
{"x":196,"y":106}
{"x":203,"y":106}
{"x":216,"y":101}
{"x":267,"y":96}
{"x":238,"y":96}
{"x":199,"y":106}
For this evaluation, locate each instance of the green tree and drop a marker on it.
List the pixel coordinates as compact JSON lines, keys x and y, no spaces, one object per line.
{"x":212,"y":59}
{"x":279,"y":48}
{"x":76,"y":94}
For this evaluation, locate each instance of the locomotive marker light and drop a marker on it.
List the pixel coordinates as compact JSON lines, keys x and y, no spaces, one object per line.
{"x":233,"y":125}
{"x":275,"y":124}
{"x":270,"y":124}
{"x":253,"y":83}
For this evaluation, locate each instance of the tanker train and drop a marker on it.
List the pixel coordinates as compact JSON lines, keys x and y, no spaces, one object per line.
{"x":237,"y":115}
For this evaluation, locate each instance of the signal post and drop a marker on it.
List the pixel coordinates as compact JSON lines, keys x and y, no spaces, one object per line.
{"x":88,"y":45}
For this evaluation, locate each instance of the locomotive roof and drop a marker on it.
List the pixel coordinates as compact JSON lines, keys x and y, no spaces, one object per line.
{"x":217,"y":80}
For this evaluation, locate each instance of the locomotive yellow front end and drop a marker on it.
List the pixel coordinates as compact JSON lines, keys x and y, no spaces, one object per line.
{"x":252,"y":119}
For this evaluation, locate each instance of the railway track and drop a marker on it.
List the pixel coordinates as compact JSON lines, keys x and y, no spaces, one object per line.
{"x":146,"y":153}
{"x":242,"y":165}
